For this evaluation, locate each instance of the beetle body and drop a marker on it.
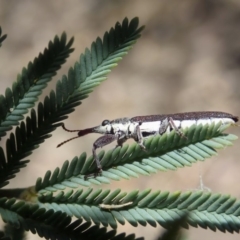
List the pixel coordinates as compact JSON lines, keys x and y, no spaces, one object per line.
{"x":141,"y":127}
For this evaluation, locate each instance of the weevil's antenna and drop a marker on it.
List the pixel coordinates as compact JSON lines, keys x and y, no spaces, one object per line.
{"x":70,"y":139}
{"x":80,"y":134}
{"x":67,"y":130}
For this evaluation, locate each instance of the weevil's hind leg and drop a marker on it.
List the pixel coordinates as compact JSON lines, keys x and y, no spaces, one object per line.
{"x":179,"y":132}
{"x":100,"y":142}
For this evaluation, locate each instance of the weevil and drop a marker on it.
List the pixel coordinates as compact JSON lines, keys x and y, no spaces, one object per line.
{"x":142,"y":127}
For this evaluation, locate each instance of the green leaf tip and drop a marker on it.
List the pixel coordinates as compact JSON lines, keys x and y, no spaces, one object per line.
{"x":92,"y":69}
{"x":31,"y":82}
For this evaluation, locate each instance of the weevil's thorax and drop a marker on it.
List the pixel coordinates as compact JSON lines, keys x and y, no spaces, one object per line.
{"x":120,"y":127}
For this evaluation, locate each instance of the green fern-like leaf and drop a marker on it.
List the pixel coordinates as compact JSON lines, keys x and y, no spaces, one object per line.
{"x":174,"y":232}
{"x":27,"y":137}
{"x":166,"y":152}
{"x":14,"y":233}
{"x":31,"y":82}
{"x":3,"y":237}
{"x":52,"y":224}
{"x":96,"y":63}
{"x":214,"y":211}
{"x":81,"y":80}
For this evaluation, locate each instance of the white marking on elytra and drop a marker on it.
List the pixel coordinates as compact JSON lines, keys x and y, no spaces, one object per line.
{"x":155,"y":125}
{"x":150,"y":126}
{"x":187,"y":123}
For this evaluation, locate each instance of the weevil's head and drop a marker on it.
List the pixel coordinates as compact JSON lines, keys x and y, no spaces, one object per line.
{"x":104,"y":128}
{"x":114,"y":127}
{"x":118,"y":127}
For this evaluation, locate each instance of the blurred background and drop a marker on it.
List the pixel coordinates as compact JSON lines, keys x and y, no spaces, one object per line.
{"x":188,"y":59}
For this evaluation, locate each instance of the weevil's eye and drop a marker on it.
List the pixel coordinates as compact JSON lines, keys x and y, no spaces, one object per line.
{"x":105,"y":122}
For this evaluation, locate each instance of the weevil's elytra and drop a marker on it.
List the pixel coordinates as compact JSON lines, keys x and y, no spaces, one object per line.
{"x":186,"y":116}
{"x":141,"y":127}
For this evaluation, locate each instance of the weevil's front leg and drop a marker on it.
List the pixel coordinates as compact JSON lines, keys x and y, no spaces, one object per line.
{"x":100,"y":142}
{"x":120,"y":140}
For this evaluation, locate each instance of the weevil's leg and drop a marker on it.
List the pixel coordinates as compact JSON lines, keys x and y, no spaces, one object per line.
{"x":163,"y":127}
{"x":120,"y":138}
{"x":172,"y":124}
{"x":120,"y":141}
{"x":140,"y":137}
{"x":100,"y":142}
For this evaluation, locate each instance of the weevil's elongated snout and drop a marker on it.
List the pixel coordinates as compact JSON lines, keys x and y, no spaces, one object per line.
{"x":106,"y":129}
{"x":98,"y":129}
{"x":85,"y":131}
